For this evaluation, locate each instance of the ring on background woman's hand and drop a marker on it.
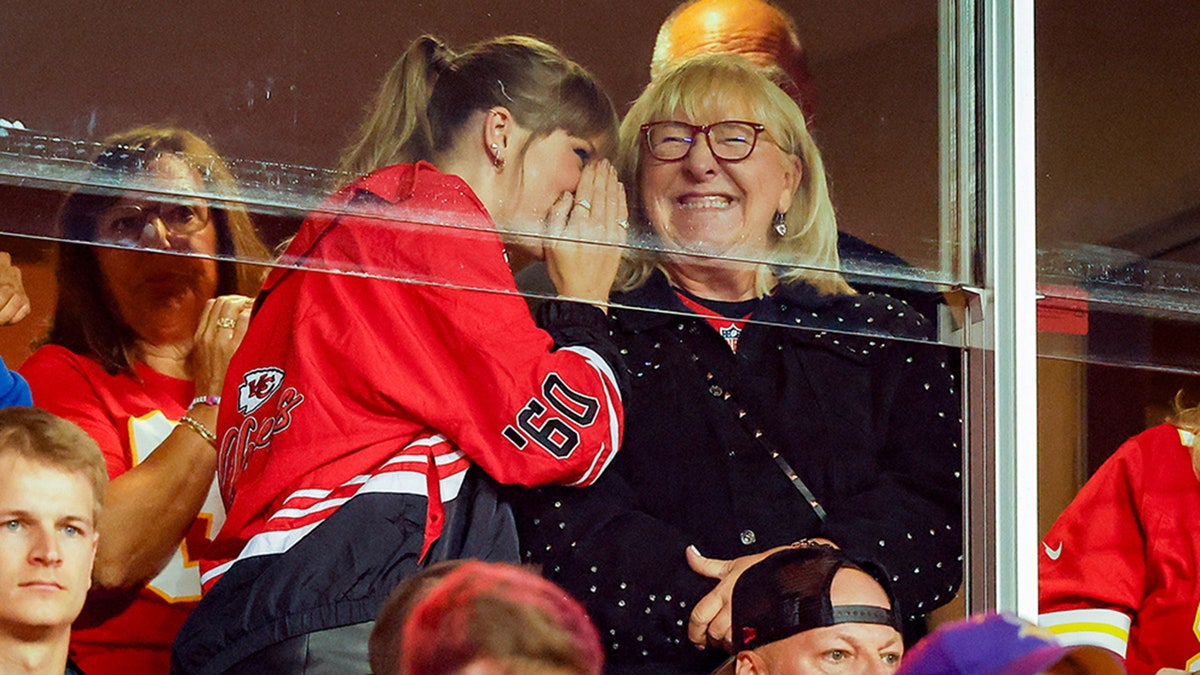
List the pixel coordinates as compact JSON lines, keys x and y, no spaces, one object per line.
{"x":622,"y":223}
{"x":583,"y":203}
{"x":226,"y":322}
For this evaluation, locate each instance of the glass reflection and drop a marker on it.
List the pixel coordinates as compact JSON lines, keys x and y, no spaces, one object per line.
{"x":865,"y":77}
{"x":1120,"y":319}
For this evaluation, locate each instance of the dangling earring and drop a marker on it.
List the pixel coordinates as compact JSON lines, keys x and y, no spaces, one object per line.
{"x":780,"y":221}
{"x":497,"y":160}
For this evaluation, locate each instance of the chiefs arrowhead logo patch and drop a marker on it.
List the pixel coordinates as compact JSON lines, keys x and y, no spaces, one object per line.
{"x":257,"y":386}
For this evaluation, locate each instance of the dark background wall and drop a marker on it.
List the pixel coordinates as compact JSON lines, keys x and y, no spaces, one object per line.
{"x":287,"y":81}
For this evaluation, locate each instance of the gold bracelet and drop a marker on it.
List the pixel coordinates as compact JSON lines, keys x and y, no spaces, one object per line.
{"x":198,"y":427}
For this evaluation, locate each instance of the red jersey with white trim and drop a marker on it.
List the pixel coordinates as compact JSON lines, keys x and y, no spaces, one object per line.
{"x":1121,"y":567}
{"x":128,"y":419}
{"x":396,"y":353}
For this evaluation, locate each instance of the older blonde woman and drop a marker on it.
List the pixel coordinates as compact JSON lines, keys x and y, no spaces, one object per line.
{"x":769,"y":402}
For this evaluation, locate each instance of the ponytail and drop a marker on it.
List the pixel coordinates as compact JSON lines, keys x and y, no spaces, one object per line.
{"x":430,"y":94}
{"x":396,"y":129}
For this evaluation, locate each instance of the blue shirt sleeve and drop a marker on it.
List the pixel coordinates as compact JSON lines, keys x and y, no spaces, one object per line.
{"x":14,"y":390}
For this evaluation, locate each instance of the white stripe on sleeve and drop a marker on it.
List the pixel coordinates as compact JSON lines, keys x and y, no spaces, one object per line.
{"x":1106,"y":628}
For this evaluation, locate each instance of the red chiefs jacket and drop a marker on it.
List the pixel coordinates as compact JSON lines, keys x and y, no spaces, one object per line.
{"x":389,"y":355}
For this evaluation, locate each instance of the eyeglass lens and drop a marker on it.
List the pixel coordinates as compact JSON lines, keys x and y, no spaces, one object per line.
{"x":127,"y":223}
{"x":730,"y":141}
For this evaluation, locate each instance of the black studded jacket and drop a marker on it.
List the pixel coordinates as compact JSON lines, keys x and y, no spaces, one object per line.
{"x":869,"y":424}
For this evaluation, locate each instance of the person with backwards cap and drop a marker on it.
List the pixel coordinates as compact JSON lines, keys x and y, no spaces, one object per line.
{"x":814,"y":609}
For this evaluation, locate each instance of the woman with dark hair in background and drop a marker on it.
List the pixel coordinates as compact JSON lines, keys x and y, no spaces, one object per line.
{"x":151,"y":306}
{"x":393,"y":354}
{"x":768,"y":402}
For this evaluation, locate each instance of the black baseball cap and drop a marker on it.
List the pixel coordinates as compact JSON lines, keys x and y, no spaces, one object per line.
{"x":788,"y":593}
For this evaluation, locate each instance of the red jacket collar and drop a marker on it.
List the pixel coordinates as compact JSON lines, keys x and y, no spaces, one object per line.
{"x":395,"y":184}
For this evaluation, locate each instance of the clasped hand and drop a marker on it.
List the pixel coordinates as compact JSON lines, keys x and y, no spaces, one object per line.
{"x":711,"y":621}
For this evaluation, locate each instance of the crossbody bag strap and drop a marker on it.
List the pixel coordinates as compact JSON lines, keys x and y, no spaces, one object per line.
{"x":743,"y":417}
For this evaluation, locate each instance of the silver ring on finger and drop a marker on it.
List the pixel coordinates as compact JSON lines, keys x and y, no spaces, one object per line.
{"x":226,"y":322}
{"x":623,"y":223}
{"x":584,"y":204}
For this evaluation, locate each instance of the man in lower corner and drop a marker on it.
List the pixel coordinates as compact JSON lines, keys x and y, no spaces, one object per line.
{"x":52,"y":481}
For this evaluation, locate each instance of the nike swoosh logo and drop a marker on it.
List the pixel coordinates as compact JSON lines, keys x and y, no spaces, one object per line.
{"x":1052,"y":553}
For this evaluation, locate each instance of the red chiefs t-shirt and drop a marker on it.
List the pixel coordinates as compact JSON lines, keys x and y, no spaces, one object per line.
{"x":1119,"y":569}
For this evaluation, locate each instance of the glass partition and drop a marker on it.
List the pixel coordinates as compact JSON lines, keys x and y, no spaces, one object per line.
{"x":279,"y":92}
{"x":1117,"y":203}
{"x":1117,"y":200}
{"x":280,"y":110}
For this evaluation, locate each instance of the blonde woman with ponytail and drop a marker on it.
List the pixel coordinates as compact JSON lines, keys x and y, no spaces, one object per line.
{"x":1120,"y":568}
{"x":391,"y":371}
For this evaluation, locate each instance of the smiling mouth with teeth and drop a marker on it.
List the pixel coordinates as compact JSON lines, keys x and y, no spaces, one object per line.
{"x":706,"y":202}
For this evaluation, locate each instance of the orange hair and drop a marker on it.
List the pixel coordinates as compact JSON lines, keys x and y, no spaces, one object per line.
{"x":502,"y":614}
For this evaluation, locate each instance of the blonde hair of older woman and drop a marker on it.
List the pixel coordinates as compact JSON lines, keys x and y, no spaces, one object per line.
{"x":736,"y":87}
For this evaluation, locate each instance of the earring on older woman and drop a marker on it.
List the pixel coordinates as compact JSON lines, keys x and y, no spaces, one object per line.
{"x":497,"y":160}
{"x":780,"y":223}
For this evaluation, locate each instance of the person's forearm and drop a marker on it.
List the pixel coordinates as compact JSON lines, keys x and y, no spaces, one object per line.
{"x":149,"y":508}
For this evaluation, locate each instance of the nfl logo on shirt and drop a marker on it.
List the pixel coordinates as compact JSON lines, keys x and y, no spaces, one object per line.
{"x":731,"y":333}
